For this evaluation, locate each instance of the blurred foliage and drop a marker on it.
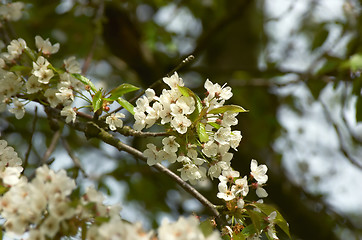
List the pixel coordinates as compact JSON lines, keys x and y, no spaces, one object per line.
{"x":232,"y":41}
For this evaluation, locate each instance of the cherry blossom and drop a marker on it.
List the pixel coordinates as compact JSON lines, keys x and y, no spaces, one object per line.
{"x":259,"y":172}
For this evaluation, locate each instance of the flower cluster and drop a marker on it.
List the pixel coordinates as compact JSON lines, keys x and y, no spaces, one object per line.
{"x":44,"y":208}
{"x":10,"y":164}
{"x":185,"y":114}
{"x":232,"y":187}
{"x":56,"y":87}
{"x":43,"y":201}
{"x":11,"y":11}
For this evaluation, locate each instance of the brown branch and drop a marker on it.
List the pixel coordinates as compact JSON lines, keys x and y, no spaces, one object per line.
{"x":52,"y":146}
{"x":97,"y":37}
{"x":74,"y":158}
{"x":204,"y":39}
{"x":92,"y":130}
{"x":127,"y":131}
{"x":27,"y":154}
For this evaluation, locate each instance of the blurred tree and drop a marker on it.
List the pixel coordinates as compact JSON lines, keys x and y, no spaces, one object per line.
{"x":240,"y":42}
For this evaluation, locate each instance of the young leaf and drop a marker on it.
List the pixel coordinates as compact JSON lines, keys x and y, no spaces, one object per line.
{"x":239,"y":236}
{"x":227,"y":108}
{"x":248,"y":230}
{"x":85,"y":81}
{"x":201,"y":131}
{"x":215,"y":125}
{"x":97,"y":101}
{"x":206,"y":227}
{"x":256,"y":219}
{"x":356,"y":62}
{"x":121,"y":90}
{"x":188,"y":93}
{"x":185,"y":91}
{"x":279,"y":220}
{"x":127,"y":105}
{"x":20,"y":68}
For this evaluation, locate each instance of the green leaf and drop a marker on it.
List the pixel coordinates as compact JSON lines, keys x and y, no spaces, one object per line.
{"x":257,"y":219}
{"x":85,"y":81}
{"x":127,"y":105}
{"x":121,"y":90}
{"x":3,"y":189}
{"x":359,"y":109}
{"x":97,"y":101}
{"x":201,"y":131}
{"x":279,"y":220}
{"x":185,"y":91}
{"x":215,"y":125}
{"x":356,"y":62}
{"x":206,"y":227}
{"x":195,"y":115}
{"x":20,"y":68}
{"x":249,"y":230}
{"x":188,"y":93}
{"x":227,"y":108}
{"x":239,"y":236}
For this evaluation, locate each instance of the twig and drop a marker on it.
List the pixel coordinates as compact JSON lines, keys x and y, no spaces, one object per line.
{"x":127,"y":131}
{"x":236,"y":13}
{"x":74,"y":158}
{"x":52,"y":145}
{"x":30,"y":145}
{"x":92,"y":130}
{"x":342,"y":145}
{"x":96,"y":38}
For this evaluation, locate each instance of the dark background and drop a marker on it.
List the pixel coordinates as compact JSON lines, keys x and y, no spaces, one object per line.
{"x":276,"y":55}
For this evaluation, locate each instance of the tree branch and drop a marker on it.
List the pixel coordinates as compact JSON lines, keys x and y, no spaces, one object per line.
{"x":52,"y":145}
{"x":92,"y":130}
{"x":27,"y":154}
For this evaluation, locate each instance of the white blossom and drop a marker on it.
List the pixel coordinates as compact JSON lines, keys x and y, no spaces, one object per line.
{"x":69,"y":113}
{"x":229,"y":119}
{"x":45,"y":46}
{"x":184,"y":229}
{"x":65,"y":95}
{"x":16,"y":47}
{"x":240,"y":203}
{"x":10,"y":83}
{"x":170,"y":144}
{"x":259,"y":172}
{"x":41,"y":70}
{"x":216,"y":91}
{"x":151,"y":154}
{"x":261,"y":192}
{"x":210,"y":149}
{"x":11,"y":11}
{"x":18,"y":109}
{"x":241,"y":186}
{"x":222,"y":135}
{"x":50,"y":226}
{"x":181,"y":123}
{"x":114,"y":120}
{"x":51,"y":97}
{"x":72,"y":65}
{"x":33,"y":85}
{"x":228,"y":176}
{"x":173,"y":81}
{"x":224,"y":192}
